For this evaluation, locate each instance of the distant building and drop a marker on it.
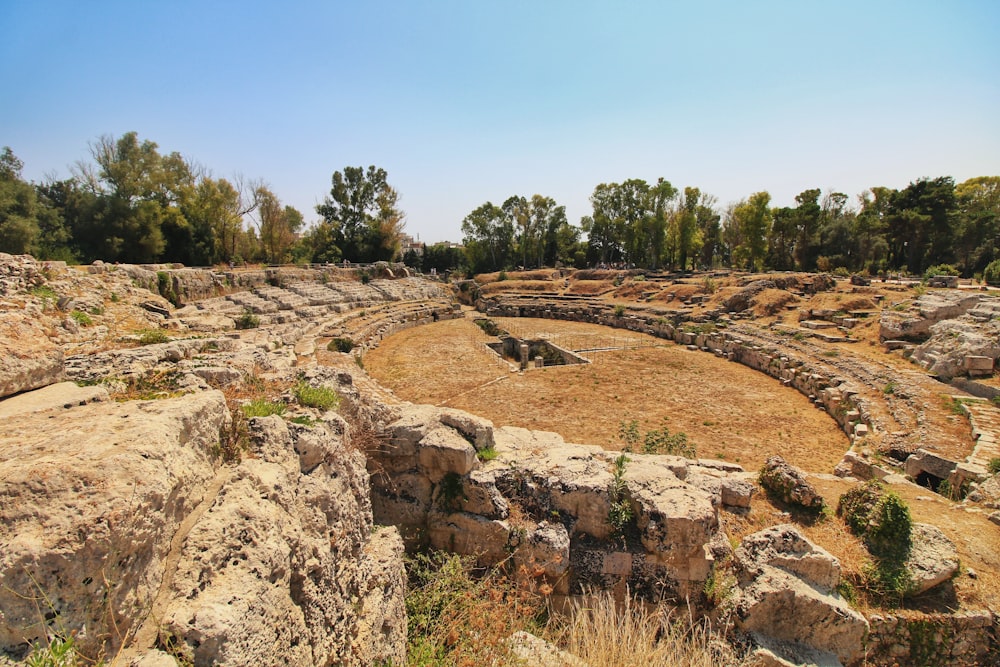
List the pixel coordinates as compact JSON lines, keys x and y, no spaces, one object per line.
{"x":408,"y":243}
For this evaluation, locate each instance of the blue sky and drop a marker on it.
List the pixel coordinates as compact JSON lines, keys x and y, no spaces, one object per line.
{"x":464,"y":102}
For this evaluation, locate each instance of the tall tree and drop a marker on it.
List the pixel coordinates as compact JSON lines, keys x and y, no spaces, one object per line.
{"x":488,"y":237}
{"x":363,"y":215}
{"x":19,"y":229}
{"x":807,"y":223}
{"x":753,"y":218}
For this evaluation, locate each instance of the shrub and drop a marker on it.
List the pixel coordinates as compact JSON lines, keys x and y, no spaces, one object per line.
{"x":322,"y":398}
{"x":165,"y":287}
{"x":247,"y":320}
{"x":489,"y":327}
{"x":502,"y":276}
{"x":991,"y":274}
{"x":620,"y":509}
{"x":152,"y":336}
{"x":619,"y":310}
{"x":57,"y":653}
{"x":940,"y":270}
{"x":487,"y":454}
{"x":261,"y":407}
{"x":344,"y":345}
{"x":994,"y":465}
{"x":82,"y":318}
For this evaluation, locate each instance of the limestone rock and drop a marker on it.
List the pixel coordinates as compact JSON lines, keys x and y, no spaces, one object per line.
{"x":784,"y":594}
{"x":62,"y":395}
{"x":28,"y":359}
{"x":90,"y":503}
{"x":928,"y":309}
{"x":933,"y":558}
{"x":789,"y":484}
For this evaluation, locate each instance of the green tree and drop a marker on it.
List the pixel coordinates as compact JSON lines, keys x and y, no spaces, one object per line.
{"x":688,"y":238}
{"x":19,"y":228}
{"x":363,"y":216}
{"x":807,"y":229}
{"x":978,"y":215}
{"x":488,"y":237}
{"x":753,"y":219}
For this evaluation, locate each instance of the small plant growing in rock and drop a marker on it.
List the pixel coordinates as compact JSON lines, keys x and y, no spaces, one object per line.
{"x":342,"y":344}
{"x":321,"y":398}
{"x":450,"y":491}
{"x":994,"y":465}
{"x":247,"y":320}
{"x":619,"y":310}
{"x":81,"y":318}
{"x":487,"y":454}
{"x":620,"y":505}
{"x":153,"y":336}
{"x":58,"y":652}
{"x":502,"y":276}
{"x":261,"y":407}
{"x":890,"y":388}
{"x":303,"y":420}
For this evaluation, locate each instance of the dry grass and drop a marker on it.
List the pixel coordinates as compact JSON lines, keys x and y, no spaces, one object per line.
{"x":590,"y":287}
{"x":727,"y":410}
{"x":604,"y":634}
{"x":771,"y":301}
{"x":518,"y":286}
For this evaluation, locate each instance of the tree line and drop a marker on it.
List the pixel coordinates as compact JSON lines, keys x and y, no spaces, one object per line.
{"x":131,"y":203}
{"x":657,"y":226}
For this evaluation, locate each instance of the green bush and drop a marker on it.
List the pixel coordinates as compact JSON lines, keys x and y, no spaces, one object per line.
{"x":247,"y":320}
{"x":57,"y":653}
{"x":991,"y":274}
{"x":344,"y":345}
{"x":82,"y":318}
{"x":994,"y":465}
{"x":940,"y":270}
{"x":619,"y":310}
{"x":261,"y":407}
{"x":322,"y":398}
{"x":152,"y":336}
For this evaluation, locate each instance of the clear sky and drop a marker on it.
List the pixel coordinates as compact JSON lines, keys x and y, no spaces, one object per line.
{"x":467,"y":101}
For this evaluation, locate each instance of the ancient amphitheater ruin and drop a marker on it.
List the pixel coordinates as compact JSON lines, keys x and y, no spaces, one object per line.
{"x":142,"y":512}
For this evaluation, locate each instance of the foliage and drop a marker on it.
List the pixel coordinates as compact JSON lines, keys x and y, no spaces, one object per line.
{"x":460,"y":615}
{"x":661,"y":441}
{"x":882,"y":520}
{"x":340,"y":344}
{"x":619,"y":310}
{"x":153,"y":336}
{"x":994,"y":465}
{"x":487,"y":454}
{"x":304,"y":420}
{"x":991,"y":274}
{"x":261,"y":407}
{"x":247,"y":320}
{"x":489,"y":327}
{"x":81,"y":318}
{"x":450,"y":491}
{"x":620,"y":504}
{"x":629,"y":433}
{"x":941,"y":270}
{"x":362,"y":221}
{"x":889,"y":388}
{"x":58,"y":652}
{"x":322,"y":398}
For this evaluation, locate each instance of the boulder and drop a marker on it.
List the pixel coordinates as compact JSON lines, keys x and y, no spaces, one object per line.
{"x":789,"y":484}
{"x":933,"y":558}
{"x":28,"y":359}
{"x":786,"y":591}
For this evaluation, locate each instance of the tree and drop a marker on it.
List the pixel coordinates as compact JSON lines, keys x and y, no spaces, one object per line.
{"x":276,"y":226}
{"x":362,"y":212}
{"x":807,"y":223}
{"x":488,"y":237}
{"x":688,"y":239}
{"x":753,"y":218}
{"x":978,"y":203}
{"x":19,"y":229}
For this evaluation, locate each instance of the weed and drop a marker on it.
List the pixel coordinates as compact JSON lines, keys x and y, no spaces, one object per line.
{"x":954,"y":405}
{"x":58,"y":652}
{"x":661,"y":441}
{"x":629,"y":433}
{"x":261,"y":407}
{"x":890,"y":388}
{"x":359,"y":361}
{"x":709,"y":285}
{"x":115,"y":298}
{"x":619,"y":310}
{"x":97,"y":310}
{"x":719,"y":587}
{"x":487,"y":454}
{"x":798,"y":335}
{"x":955,"y":493}
{"x":247,"y":320}
{"x":344,"y":345}
{"x":45,"y":292}
{"x":82,"y":318}
{"x":994,"y":465}
{"x":460,"y":615}
{"x":831,"y":353}
{"x":620,"y":505}
{"x":450,"y":491}
{"x":153,"y":336}
{"x":502,"y":276}
{"x":322,"y":398}
{"x":162,"y":384}
{"x":304,"y":420}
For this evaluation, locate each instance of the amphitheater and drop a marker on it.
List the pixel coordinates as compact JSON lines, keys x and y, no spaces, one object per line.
{"x":487,"y":417}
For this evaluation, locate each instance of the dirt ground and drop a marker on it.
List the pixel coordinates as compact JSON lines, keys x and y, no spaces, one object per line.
{"x":727,"y":410}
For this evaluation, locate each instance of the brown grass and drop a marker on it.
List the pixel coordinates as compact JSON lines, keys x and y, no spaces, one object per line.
{"x":771,"y":301}
{"x":590,"y":287}
{"x":727,"y":410}
{"x":519,"y":286}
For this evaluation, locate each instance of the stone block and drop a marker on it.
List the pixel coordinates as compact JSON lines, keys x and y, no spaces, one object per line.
{"x":922,"y":461}
{"x":443,"y":451}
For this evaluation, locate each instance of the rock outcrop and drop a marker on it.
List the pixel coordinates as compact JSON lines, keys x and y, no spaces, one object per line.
{"x":787,"y":592}
{"x":119,"y":523}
